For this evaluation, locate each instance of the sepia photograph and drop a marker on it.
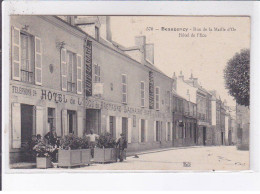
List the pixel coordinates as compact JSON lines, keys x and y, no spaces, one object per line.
{"x":127,"y":93}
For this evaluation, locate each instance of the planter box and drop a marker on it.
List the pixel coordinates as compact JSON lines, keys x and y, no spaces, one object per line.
{"x":69,"y":158}
{"x":43,"y":162}
{"x":105,"y":155}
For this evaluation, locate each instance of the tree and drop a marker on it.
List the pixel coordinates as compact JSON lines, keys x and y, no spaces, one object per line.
{"x":237,"y":77}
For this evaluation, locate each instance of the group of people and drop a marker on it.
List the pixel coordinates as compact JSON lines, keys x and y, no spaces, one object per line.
{"x":121,"y":143}
{"x":52,"y":139}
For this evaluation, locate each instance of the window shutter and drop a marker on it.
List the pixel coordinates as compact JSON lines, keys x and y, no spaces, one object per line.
{"x":16,"y":125}
{"x":80,"y":123}
{"x":38,"y":61}
{"x":63,"y":70}
{"x":39,"y":120}
{"x":64,"y":122}
{"x":16,"y":54}
{"x":129,"y":130}
{"x":140,"y":131}
{"x":154,"y":131}
{"x":79,"y":74}
{"x":118,"y":126}
{"x":108,"y":124}
{"x":146,"y":130}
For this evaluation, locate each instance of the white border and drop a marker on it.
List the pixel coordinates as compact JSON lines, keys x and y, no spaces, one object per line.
{"x":132,"y":181}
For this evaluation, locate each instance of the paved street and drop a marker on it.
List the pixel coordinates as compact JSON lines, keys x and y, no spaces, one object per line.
{"x":196,"y":158}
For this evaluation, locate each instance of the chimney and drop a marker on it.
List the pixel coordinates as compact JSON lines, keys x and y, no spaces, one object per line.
{"x":89,"y":24}
{"x":174,"y":82}
{"x":149,"y":52}
{"x":108,"y":29}
{"x":140,"y":41}
{"x":181,"y":76}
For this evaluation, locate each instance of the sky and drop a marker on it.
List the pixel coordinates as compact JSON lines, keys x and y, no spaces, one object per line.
{"x":205,"y":55}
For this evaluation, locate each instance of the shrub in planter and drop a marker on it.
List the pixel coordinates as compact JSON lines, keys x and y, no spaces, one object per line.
{"x":43,"y":152}
{"x":74,"y":151}
{"x":106,"y":149}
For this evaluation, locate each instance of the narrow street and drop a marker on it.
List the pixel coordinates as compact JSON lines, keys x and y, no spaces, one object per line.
{"x":196,"y":158}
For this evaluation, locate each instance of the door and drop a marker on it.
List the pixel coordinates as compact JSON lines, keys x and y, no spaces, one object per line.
{"x":93,"y":120}
{"x":72,"y":122}
{"x":195,"y":133}
{"x":112,"y":126}
{"x":222,"y":138}
{"x":27,"y":117}
{"x":125,"y":126}
{"x":204,"y":135}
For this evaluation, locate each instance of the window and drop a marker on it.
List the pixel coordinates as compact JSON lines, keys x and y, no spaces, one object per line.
{"x":124,"y":88}
{"x":142,"y":130}
{"x":157,"y":98}
{"x":51,"y":118}
{"x":72,"y":122}
{"x":71,"y":71}
{"x":97,"y":73}
{"x":168,"y":131}
{"x":142,"y":94}
{"x":71,"y":62}
{"x":26,"y":57}
{"x":27,"y":67}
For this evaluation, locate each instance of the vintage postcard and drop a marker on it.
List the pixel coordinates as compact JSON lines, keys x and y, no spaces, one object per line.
{"x":129,"y":93}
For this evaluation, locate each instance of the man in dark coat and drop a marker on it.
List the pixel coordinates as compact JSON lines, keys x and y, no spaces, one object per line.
{"x":51,"y":137}
{"x":122,"y":144}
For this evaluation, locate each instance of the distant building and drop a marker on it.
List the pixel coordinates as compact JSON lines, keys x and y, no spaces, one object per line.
{"x":184,"y":113}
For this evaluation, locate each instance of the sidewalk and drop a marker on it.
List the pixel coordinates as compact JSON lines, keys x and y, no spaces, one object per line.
{"x":128,"y":154}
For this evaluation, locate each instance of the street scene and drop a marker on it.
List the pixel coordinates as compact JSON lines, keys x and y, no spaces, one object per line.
{"x":194,"y":158}
{"x":129,"y":93}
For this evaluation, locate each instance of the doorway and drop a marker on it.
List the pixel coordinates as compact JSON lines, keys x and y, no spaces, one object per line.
{"x":204,"y":135}
{"x":125,"y":126}
{"x":112,"y":126}
{"x":195,"y":133}
{"x":93,"y":120}
{"x":27,"y":124}
{"x":222,"y":138}
{"x":72,"y":122}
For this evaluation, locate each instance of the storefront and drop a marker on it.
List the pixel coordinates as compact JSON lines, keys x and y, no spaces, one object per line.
{"x":144,"y":128}
{"x":35,"y":111}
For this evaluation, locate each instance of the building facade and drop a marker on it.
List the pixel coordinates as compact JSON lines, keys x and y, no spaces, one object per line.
{"x":46,"y":90}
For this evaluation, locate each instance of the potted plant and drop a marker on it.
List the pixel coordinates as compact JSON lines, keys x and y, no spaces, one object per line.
{"x":43,"y":154}
{"x":106,"y":149}
{"x":74,"y":151}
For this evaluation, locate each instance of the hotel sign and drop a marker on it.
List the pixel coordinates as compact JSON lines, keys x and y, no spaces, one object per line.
{"x":151,"y":90}
{"x":88,"y":82}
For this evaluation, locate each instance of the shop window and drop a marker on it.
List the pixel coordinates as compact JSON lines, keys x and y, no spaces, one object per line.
{"x":157,"y":98}
{"x":51,"y":118}
{"x":142,"y":94}
{"x":142,"y":130}
{"x":124,"y":88}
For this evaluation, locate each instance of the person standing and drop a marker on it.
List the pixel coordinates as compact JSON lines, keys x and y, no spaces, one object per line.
{"x":51,"y":137}
{"x":122,"y":144}
{"x":92,"y":139}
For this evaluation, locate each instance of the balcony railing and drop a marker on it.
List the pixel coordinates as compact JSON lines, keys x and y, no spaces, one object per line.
{"x":26,"y":76}
{"x":71,"y":87}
